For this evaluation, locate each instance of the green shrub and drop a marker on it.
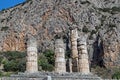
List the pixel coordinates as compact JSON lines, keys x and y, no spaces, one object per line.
{"x":47,"y":67}
{"x":43,"y":62}
{"x":10,"y":66}
{"x":7,"y":74}
{"x":11,"y":55}
{"x":14,"y":65}
{"x":14,"y":61}
{"x":42,"y":59}
{"x":21,"y":65}
{"x":1,"y":73}
{"x":116,"y":75}
{"x":49,"y":54}
{"x":101,"y":71}
{"x":4,"y":61}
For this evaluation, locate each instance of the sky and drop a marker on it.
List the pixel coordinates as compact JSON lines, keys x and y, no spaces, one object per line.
{"x":9,"y":3}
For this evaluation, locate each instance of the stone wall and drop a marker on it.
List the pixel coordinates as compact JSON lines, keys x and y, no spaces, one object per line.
{"x":52,"y":76}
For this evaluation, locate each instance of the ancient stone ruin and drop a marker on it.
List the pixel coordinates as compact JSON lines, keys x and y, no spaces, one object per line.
{"x":83,"y":63}
{"x":73,"y":38}
{"x":60,"y":63}
{"x":31,"y":64}
{"x":79,"y":64}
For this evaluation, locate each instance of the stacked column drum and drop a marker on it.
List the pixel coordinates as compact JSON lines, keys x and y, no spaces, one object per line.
{"x":60,"y":62}
{"x":74,"y":36}
{"x":83,"y":56}
{"x":32,"y":65}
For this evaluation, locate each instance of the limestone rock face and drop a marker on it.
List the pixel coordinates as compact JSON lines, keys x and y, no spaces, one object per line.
{"x":49,"y":19}
{"x":14,"y":43}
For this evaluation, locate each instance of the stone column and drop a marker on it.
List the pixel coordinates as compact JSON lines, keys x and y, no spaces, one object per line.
{"x":73,"y":38}
{"x":31,"y":65}
{"x":83,"y":56}
{"x":70,"y":65}
{"x":60,"y":62}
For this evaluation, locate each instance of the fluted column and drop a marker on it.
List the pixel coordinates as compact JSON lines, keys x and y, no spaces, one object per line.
{"x":73,"y":38}
{"x":31,"y":65}
{"x":60,"y":62}
{"x":83,"y":63}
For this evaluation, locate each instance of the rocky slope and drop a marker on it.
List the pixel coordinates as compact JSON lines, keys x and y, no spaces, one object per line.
{"x":98,"y":20}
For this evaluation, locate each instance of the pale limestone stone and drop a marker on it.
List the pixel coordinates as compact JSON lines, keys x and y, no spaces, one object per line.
{"x":60,"y":62}
{"x":31,"y":65}
{"x":70,"y":65}
{"x":83,"y":56}
{"x":73,"y":37}
{"x":49,"y":78}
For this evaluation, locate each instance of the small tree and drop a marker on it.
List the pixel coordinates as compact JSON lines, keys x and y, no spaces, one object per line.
{"x":10,"y":66}
{"x":21,"y":65}
{"x":49,"y":54}
{"x":1,"y":74}
{"x":43,"y":62}
{"x":14,"y":61}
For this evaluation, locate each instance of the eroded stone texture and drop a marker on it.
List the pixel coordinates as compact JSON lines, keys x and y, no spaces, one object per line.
{"x":48,"y":18}
{"x":73,"y":37}
{"x":83,"y":56}
{"x":70,"y":65}
{"x":52,"y":76}
{"x":31,"y":65}
{"x":60,"y":63}
{"x":14,"y":42}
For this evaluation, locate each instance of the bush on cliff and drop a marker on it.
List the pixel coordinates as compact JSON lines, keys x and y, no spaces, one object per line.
{"x":46,"y":60}
{"x":14,"y":61}
{"x":1,"y":74}
{"x":116,"y":75}
{"x":44,"y":64}
{"x":49,"y":54}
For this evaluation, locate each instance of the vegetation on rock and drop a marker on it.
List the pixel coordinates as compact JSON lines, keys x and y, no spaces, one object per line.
{"x":14,"y":61}
{"x":116,"y":75}
{"x":46,"y":60}
{"x":49,"y":54}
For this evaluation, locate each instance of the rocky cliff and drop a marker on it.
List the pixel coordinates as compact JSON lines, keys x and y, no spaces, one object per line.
{"x":47,"y":20}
